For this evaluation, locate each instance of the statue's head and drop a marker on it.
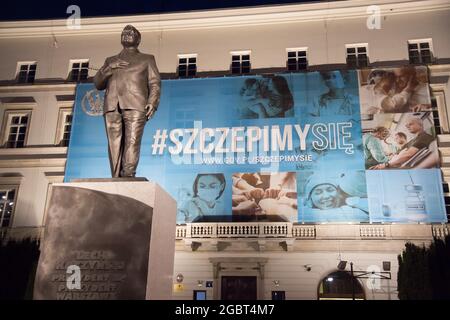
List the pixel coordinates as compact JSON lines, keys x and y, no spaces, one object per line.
{"x":130,"y":37}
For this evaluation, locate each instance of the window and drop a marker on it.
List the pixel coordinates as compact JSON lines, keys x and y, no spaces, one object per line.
{"x":439,"y":108}
{"x":187,"y":65}
{"x":357,"y":55}
{"x":447,"y":206}
{"x":199,"y":294}
{"x":16,"y":128}
{"x":445,"y":189}
{"x":26,"y":72}
{"x":437,"y":122}
{"x":340,"y":285}
{"x":64,"y":127}
{"x":7,"y":201}
{"x":240,"y":62}
{"x":278,"y":295}
{"x":420,"y":51}
{"x":79,"y":70}
{"x":296,"y":59}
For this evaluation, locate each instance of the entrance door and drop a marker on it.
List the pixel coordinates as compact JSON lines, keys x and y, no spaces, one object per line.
{"x":239,"y":288}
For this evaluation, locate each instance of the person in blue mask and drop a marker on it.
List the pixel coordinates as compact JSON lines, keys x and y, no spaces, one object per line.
{"x":207,"y":199}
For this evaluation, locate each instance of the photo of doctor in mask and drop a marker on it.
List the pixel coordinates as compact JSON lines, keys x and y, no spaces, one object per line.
{"x":206,"y":198}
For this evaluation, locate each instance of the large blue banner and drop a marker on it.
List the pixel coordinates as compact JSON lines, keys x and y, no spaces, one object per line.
{"x":295,"y":147}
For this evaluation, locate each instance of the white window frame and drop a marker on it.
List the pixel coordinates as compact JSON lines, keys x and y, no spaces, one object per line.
{"x":438,"y":93}
{"x":22,"y":63}
{"x":187,"y":56}
{"x":356,"y":46}
{"x":7,"y":117}
{"x":71,"y":62}
{"x":60,"y":129}
{"x":52,"y":179}
{"x":8,"y":187}
{"x":296,"y":50}
{"x":418,"y":42}
{"x":241,"y":53}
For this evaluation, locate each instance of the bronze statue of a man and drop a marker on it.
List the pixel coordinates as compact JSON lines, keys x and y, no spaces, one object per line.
{"x":133,"y":88}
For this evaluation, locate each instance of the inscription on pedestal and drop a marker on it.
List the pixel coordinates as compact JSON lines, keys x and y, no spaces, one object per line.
{"x":100,"y":276}
{"x":96,"y":246}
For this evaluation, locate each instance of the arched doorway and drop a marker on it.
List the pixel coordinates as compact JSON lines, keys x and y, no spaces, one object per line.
{"x":338,"y":286}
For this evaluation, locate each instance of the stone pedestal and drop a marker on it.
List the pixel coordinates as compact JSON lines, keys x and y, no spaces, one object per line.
{"x":107,"y":239}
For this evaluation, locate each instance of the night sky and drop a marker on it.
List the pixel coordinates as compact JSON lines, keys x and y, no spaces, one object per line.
{"x":51,"y":9}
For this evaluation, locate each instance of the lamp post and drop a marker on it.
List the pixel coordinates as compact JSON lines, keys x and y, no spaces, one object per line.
{"x":353,"y":281}
{"x":363,"y":274}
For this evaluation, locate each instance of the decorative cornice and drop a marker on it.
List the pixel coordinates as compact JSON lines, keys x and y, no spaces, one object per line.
{"x":44,"y":150}
{"x":263,"y":15}
{"x":38,"y":87}
{"x":33,"y":163}
{"x":45,"y":156}
{"x":439,"y":69}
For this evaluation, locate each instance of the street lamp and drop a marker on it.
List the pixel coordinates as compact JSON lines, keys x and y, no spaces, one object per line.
{"x":364,"y":274}
{"x":342,"y":265}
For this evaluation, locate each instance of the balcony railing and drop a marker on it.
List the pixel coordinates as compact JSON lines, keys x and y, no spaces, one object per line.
{"x":440,"y":231}
{"x":289,"y":230}
{"x":245,"y":230}
{"x":235,"y":230}
{"x":374,"y":232}
{"x":306,"y":232}
{"x":280,"y":230}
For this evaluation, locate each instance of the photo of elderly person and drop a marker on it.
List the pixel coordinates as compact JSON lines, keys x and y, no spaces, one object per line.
{"x":400,"y":139}
{"x":275,"y":194}
{"x":421,"y":140}
{"x":373,"y":149}
{"x":340,"y":198}
{"x":269,"y":97}
{"x":380,"y":86}
{"x":336,"y":100}
{"x":415,"y":94}
{"x":367,"y":93}
{"x":206,"y":199}
{"x":396,"y":90}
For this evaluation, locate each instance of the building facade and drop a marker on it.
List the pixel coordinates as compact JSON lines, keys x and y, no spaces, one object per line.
{"x":42,"y":62}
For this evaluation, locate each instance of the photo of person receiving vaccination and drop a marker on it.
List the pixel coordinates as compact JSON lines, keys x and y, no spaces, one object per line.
{"x":396,"y":90}
{"x":328,"y":198}
{"x":257,"y":194}
{"x":409,"y":142}
{"x":269,"y":97}
{"x":205,"y":198}
{"x":373,"y":148}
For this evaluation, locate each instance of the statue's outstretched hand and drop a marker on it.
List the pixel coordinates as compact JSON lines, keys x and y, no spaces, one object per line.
{"x":149,"y":111}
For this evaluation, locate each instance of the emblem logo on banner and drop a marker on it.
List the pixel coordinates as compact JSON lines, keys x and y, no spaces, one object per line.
{"x":92,"y":103}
